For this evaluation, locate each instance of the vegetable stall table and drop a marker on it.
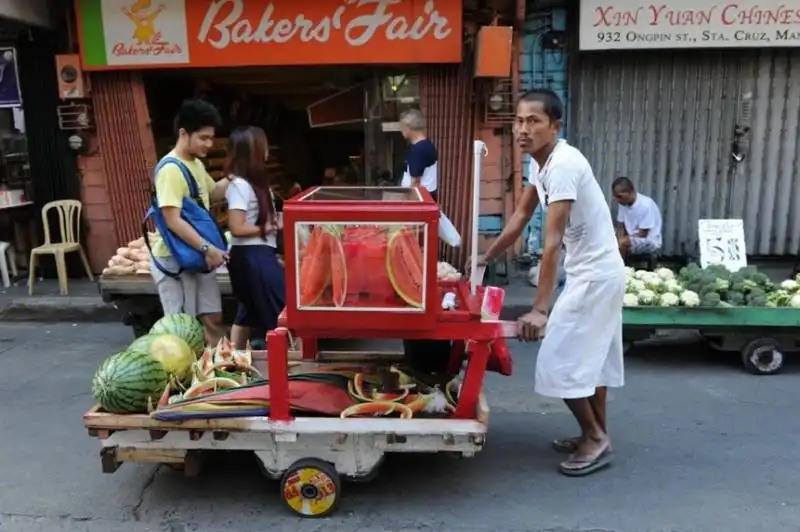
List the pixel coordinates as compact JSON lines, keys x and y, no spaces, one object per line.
{"x":136,"y":296}
{"x":762,"y":335}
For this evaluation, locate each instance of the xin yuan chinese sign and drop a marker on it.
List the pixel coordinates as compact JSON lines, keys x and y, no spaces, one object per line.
{"x":213,"y":33}
{"x":636,"y":24}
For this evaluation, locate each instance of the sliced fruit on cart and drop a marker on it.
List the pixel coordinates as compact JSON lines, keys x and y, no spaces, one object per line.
{"x":378,"y":408}
{"x":429,"y":403}
{"x":204,"y":367}
{"x":315,"y":267}
{"x":175,"y":354}
{"x":306,"y":395}
{"x":127,"y":382}
{"x":224,"y":351}
{"x":404,"y":266}
{"x":338,"y":272}
{"x":244,"y":358}
{"x":185,"y":327}
{"x":368,"y":393}
{"x":214,"y":384}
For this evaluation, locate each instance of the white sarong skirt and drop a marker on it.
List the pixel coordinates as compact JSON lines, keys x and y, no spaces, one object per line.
{"x":582,"y":347}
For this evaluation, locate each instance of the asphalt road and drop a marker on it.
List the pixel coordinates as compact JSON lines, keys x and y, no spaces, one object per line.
{"x":701,"y":446}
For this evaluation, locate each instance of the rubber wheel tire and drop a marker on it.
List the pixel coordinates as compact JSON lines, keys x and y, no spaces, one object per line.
{"x":310,"y":482}
{"x":763,"y":357}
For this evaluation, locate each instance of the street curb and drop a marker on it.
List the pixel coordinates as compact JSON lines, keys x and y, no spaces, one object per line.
{"x":61,"y":309}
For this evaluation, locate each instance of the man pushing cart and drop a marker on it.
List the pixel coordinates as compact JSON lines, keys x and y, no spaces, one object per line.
{"x":581,"y":353}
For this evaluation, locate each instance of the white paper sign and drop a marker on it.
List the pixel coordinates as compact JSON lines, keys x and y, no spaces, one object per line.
{"x":639,"y":24}
{"x":722,"y":242}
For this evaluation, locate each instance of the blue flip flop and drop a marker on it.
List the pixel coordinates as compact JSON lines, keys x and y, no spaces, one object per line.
{"x":590,"y":466}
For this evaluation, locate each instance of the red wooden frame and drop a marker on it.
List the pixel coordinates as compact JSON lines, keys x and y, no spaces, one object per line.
{"x":471,"y":338}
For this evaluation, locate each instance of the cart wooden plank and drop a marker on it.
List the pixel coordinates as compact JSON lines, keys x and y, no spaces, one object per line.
{"x":727,"y":317}
{"x":102,"y":424}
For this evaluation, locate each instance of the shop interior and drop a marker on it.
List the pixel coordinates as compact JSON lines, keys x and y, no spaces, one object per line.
{"x":325,"y":125}
{"x":16,"y":213}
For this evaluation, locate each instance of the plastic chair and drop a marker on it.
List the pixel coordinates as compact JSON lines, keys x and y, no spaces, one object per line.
{"x":69,"y":217}
{"x":7,"y":248}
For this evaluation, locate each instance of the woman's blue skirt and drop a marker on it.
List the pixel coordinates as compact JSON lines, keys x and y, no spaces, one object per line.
{"x":257,"y":282}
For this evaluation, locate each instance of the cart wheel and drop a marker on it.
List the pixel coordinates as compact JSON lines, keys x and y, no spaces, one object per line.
{"x":311,"y":488}
{"x":762,"y":357}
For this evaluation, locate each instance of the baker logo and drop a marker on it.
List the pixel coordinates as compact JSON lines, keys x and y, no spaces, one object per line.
{"x":146,"y":38}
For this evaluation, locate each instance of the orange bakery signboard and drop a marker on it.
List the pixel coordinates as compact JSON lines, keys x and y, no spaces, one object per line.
{"x":133,"y":34}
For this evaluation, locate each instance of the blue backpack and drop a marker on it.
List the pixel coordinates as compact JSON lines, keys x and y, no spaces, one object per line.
{"x":195,"y":214}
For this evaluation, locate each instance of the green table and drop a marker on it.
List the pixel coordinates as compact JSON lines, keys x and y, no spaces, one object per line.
{"x":762,"y":335}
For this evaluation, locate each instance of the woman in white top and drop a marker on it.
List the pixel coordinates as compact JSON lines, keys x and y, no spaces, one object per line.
{"x":257,"y":278}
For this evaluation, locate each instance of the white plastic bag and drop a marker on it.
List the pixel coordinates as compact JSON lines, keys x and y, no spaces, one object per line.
{"x":448,"y":232}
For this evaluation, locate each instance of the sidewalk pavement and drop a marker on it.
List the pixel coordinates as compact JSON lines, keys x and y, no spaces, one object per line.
{"x":84,"y":304}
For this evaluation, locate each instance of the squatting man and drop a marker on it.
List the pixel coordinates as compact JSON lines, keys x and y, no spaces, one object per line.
{"x":581,"y":350}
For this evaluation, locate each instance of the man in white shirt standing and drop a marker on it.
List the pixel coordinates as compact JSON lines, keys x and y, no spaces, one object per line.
{"x":422,"y":159}
{"x":581,"y":352}
{"x":638,"y":220}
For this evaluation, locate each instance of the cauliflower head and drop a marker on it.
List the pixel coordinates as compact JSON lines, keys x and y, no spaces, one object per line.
{"x":673,"y":286}
{"x":689,"y":299}
{"x":634,"y":286}
{"x":647,"y":297}
{"x":669,"y":299}
{"x":790,"y":285}
{"x":655,"y":284}
{"x":665,"y":274}
{"x":630,"y":300}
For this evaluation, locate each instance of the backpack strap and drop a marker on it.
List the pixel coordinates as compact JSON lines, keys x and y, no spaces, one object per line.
{"x":194,"y":193}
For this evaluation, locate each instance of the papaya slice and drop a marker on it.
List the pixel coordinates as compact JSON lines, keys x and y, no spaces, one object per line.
{"x":404,"y":266}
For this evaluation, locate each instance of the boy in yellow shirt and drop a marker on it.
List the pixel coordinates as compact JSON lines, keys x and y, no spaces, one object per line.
{"x":192,"y":293}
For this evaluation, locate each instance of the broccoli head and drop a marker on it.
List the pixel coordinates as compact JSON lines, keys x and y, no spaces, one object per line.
{"x":735,"y":298}
{"x":748,"y":272}
{"x":755,"y":293}
{"x":711,"y":299}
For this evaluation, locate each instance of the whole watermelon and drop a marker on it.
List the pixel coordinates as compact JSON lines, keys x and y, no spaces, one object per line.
{"x":174,"y":354}
{"x":184,"y":326}
{"x":171,"y":350}
{"x":142,"y":344}
{"x":125,"y":382}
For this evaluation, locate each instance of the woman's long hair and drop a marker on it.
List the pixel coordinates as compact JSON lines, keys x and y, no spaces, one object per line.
{"x":247,"y":159}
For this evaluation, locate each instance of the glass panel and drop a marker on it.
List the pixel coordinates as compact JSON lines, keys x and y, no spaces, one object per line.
{"x":364,"y":194}
{"x":361,"y":267}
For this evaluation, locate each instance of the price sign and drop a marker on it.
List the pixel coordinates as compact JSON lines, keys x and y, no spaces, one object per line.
{"x":722,"y":242}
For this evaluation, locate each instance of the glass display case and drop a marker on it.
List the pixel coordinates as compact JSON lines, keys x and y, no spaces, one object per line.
{"x":361,"y":258}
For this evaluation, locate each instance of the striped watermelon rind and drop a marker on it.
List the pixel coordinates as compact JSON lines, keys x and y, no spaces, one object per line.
{"x":142,"y":344}
{"x":184,"y":326}
{"x":125,"y":382}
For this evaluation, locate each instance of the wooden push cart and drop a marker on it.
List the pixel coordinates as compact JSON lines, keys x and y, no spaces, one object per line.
{"x":761,"y":335}
{"x":312,"y":454}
